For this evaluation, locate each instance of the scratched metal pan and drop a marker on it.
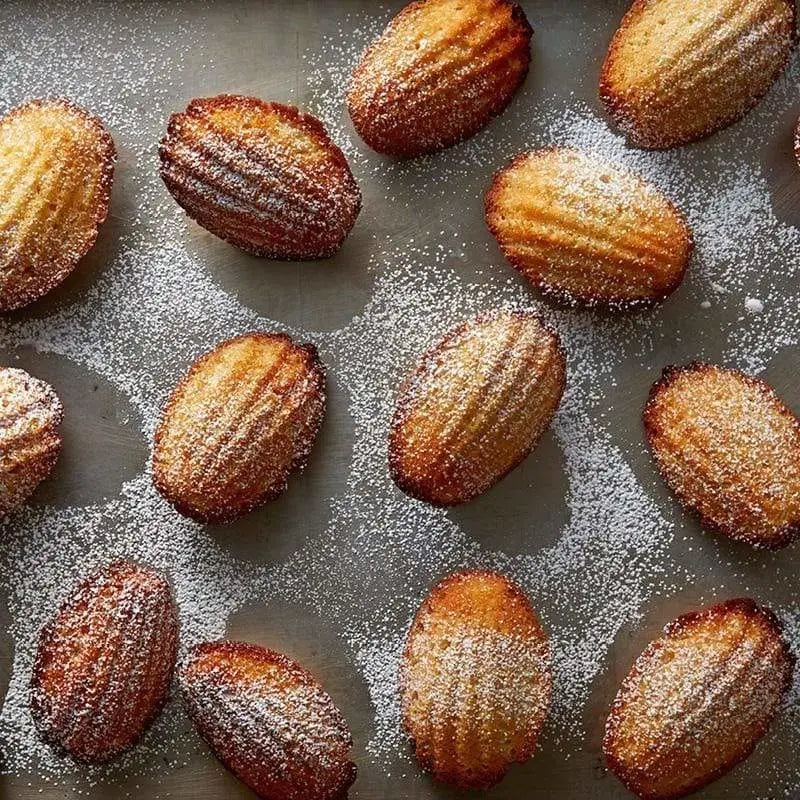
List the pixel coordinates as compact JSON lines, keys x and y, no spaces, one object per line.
{"x":138,"y":62}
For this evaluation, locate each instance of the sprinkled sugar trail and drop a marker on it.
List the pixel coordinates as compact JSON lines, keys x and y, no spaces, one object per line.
{"x":117,"y":64}
{"x":616,"y":557}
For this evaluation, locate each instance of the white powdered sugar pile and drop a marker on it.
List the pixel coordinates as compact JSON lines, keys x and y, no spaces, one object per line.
{"x":584,"y":525}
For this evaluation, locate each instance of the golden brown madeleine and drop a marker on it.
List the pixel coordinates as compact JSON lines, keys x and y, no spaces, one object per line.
{"x":476,"y":679}
{"x":242,"y":419}
{"x":697,"y":700}
{"x":105,"y":662}
{"x":730,"y":450}
{"x":268,"y":721}
{"x":263,"y":176}
{"x":438,"y":74}
{"x":678,"y":70}
{"x":475,"y":406}
{"x":30,"y":440}
{"x":586,"y":230}
{"x":56,"y":171}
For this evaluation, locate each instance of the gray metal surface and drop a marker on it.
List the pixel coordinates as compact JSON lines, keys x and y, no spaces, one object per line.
{"x":263,"y":48}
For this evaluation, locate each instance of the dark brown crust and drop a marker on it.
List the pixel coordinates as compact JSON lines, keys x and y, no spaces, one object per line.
{"x":561,"y":296}
{"x":615,"y":106}
{"x":307,"y":123}
{"x":686,"y":622}
{"x":10,"y":303}
{"x":417,"y":624}
{"x":46,"y":636}
{"x":413,"y":488}
{"x":226,"y":514}
{"x":299,"y":674}
{"x":783,"y":536}
{"x":410,"y":148}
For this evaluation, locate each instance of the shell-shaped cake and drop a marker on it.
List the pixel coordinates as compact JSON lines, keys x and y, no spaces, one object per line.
{"x":438,"y":74}
{"x":269,"y":721}
{"x":104,"y":664}
{"x":30,"y":440}
{"x":242,"y":419}
{"x":698,"y":700}
{"x":678,"y":70}
{"x":265,"y":177}
{"x":730,"y":450}
{"x":56,"y":171}
{"x":476,"y":679}
{"x":474,"y":406}
{"x":587,"y":230}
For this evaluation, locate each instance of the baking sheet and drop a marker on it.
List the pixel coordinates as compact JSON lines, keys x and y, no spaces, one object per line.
{"x":332,"y":571}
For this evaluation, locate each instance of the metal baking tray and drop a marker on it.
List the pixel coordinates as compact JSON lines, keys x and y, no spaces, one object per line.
{"x":332,"y":572}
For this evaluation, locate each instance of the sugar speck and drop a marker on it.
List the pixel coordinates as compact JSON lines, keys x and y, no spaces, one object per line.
{"x":753,"y":305}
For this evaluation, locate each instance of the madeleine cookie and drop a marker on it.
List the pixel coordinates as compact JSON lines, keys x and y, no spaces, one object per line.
{"x":730,"y":450}
{"x":30,"y":440}
{"x":263,"y":176}
{"x":56,"y":171}
{"x":586,"y":230}
{"x":438,"y":73}
{"x":476,"y":679}
{"x":268,"y":721}
{"x":678,"y":70}
{"x":242,"y":419}
{"x":475,"y":405}
{"x":697,"y":700}
{"x":104,"y":664}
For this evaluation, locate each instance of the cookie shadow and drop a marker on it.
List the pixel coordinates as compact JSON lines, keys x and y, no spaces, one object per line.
{"x":275,"y":531}
{"x":526,"y":510}
{"x":310,"y":295}
{"x":782,"y":170}
{"x":103,"y":444}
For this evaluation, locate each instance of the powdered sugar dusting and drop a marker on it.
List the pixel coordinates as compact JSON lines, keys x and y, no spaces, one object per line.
{"x":618,"y":554}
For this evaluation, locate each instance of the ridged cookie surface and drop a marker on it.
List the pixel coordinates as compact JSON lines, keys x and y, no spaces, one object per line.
{"x":269,"y":721}
{"x":586,"y":230}
{"x":30,"y":441}
{"x":56,"y":171}
{"x":698,"y":700}
{"x":475,"y":406}
{"x":730,"y":450}
{"x":678,"y":70}
{"x":476,"y":679}
{"x":438,"y":73}
{"x":242,"y":419}
{"x":104,"y":664}
{"x":263,"y":176}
